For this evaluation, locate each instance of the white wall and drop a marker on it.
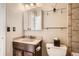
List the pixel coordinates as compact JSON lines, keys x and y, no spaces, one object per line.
{"x":14,"y":18}
{"x":2,"y":29}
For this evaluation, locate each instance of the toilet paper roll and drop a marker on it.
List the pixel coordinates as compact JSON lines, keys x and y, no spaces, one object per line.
{"x":38,"y":48}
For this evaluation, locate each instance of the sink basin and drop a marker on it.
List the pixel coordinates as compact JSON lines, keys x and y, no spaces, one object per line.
{"x":28,"y":40}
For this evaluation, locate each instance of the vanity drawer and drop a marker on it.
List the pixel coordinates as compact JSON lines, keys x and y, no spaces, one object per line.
{"x":22,"y":46}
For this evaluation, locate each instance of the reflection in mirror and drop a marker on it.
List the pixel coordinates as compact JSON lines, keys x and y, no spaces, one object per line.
{"x":33,"y":19}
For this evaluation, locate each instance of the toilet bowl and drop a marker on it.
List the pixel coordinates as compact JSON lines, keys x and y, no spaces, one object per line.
{"x":56,"y":51}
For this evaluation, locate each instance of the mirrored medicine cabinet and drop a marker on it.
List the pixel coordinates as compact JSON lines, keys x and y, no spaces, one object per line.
{"x":33,"y":20}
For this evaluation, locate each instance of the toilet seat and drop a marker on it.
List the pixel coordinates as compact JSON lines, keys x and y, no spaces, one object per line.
{"x":56,"y":51}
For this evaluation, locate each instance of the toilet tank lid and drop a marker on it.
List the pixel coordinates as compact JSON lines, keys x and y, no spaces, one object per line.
{"x":52,"y":45}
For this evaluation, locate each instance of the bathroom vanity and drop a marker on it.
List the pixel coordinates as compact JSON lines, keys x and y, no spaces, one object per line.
{"x":27,"y":47}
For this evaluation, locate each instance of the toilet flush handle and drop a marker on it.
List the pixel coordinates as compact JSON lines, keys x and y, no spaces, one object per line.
{"x":48,"y":47}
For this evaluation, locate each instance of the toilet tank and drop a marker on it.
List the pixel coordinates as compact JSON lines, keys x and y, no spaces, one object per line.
{"x":56,"y":51}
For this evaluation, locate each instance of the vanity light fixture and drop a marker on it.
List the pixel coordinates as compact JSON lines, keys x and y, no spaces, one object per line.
{"x":26,"y":5}
{"x":29,"y":4}
{"x":33,"y":4}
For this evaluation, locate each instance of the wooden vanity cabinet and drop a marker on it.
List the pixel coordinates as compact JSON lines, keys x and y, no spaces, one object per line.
{"x":23,"y":49}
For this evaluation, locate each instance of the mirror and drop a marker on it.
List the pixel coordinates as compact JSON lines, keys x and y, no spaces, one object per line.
{"x":33,"y":19}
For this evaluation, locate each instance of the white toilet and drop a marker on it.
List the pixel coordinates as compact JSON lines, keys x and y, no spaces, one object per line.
{"x":56,"y":51}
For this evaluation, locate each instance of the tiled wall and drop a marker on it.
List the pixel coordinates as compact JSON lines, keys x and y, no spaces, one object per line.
{"x":73,"y":26}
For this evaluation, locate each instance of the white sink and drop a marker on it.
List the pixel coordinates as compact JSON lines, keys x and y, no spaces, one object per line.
{"x":28,"y":40}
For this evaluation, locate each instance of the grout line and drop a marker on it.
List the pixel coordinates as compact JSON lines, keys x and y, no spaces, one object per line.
{"x":75,"y":8}
{"x":75,"y":41}
{"x":71,"y":27}
{"x":75,"y":19}
{"x":75,"y":30}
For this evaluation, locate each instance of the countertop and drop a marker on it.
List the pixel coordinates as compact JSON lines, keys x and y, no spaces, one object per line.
{"x":27,"y":40}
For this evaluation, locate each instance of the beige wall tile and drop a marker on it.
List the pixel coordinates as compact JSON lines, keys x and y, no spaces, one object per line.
{"x":69,"y":9}
{"x":75,"y":5}
{"x":69,"y":30}
{"x":69,"y":12}
{"x":69,"y":20}
{"x":75,"y":36}
{"x":75,"y":24}
{"x":69,"y":41}
{"x":75,"y":13}
{"x":75,"y":47}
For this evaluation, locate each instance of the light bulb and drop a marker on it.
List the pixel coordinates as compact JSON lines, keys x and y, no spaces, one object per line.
{"x":32,"y":4}
{"x":26,"y":5}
